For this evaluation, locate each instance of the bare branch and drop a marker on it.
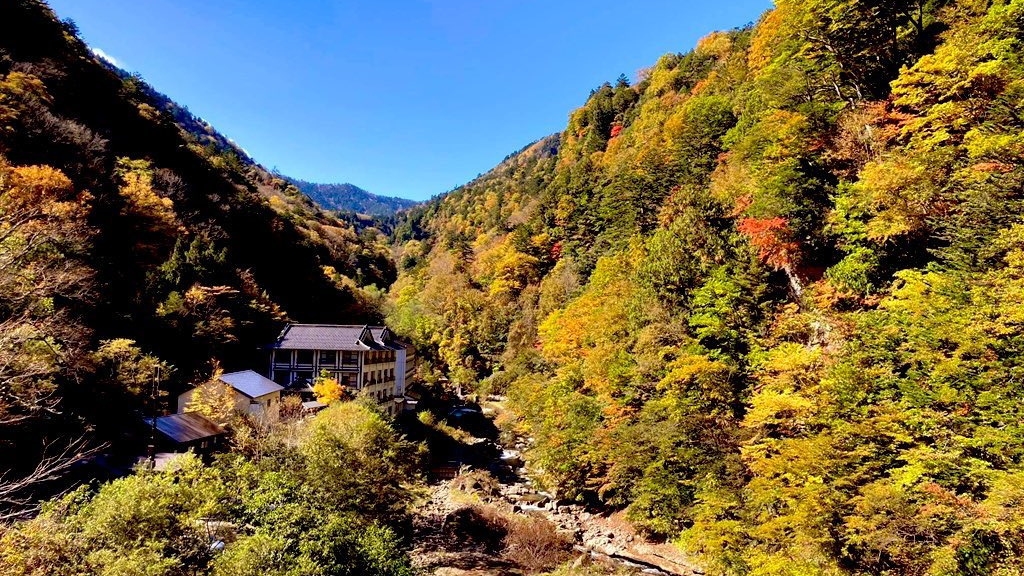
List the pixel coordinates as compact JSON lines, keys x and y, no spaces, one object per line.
{"x":19,"y":496}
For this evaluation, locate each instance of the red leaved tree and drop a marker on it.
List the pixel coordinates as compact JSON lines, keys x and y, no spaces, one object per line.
{"x":773,"y":240}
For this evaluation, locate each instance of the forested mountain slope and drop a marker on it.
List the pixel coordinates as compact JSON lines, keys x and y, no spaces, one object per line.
{"x":767,"y":299}
{"x":338,"y":197}
{"x":351,"y":198}
{"x":128,"y":238}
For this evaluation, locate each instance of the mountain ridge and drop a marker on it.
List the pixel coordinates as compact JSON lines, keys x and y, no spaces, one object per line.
{"x":351,"y":198}
{"x":344,"y":197}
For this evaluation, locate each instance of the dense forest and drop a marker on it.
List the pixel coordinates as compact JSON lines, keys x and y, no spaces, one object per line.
{"x":134,"y":236}
{"x":766,"y":298}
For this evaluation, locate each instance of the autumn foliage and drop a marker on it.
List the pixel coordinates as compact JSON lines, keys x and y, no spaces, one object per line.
{"x":770,"y":236}
{"x":866,"y":423}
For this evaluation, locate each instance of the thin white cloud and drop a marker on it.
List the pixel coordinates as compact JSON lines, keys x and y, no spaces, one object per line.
{"x":99,"y":52}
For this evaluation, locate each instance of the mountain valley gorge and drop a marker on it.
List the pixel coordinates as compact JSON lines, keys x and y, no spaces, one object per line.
{"x":758,"y":311}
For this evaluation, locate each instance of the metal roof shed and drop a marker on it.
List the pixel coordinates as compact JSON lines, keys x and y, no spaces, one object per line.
{"x":187,"y":428}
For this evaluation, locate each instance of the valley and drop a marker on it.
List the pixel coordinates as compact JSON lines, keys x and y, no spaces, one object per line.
{"x":754,"y":311}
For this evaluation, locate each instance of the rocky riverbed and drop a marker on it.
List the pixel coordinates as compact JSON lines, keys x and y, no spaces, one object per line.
{"x":595,"y":542}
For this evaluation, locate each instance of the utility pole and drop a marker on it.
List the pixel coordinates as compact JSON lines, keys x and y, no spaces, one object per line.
{"x":153,"y":415}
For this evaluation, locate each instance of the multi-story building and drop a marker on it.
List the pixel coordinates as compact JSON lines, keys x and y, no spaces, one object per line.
{"x":365,"y":359}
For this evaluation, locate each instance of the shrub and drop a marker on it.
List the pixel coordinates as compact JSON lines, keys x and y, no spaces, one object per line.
{"x":481,"y":527}
{"x":535,"y":544}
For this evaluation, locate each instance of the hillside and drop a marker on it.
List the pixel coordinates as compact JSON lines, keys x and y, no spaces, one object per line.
{"x":351,"y":198}
{"x":131,"y":235}
{"x":335,"y":197}
{"x":766,"y":299}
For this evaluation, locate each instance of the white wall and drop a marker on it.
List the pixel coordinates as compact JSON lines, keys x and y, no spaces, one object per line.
{"x":399,"y":372}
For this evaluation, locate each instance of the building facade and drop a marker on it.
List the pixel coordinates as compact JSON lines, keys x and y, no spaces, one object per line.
{"x":364,"y":359}
{"x":253,"y":394}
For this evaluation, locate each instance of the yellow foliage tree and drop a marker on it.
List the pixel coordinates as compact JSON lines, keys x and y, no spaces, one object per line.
{"x":328,"y":390}
{"x":43,"y":224}
{"x":214,"y":399}
{"x":598,"y":315}
{"x":142,"y":200}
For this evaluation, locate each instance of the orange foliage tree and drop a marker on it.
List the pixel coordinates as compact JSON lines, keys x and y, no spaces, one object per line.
{"x":771,"y":237}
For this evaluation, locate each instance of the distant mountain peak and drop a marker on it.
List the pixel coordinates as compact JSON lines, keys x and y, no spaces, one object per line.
{"x":351,"y":198}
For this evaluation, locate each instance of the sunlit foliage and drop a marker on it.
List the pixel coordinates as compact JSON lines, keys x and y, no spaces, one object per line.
{"x":777,"y":318}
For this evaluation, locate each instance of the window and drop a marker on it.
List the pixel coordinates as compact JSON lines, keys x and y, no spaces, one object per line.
{"x":283,"y":357}
{"x":349,"y":358}
{"x":282,"y":377}
{"x":304,"y":357}
{"x":328,"y":357}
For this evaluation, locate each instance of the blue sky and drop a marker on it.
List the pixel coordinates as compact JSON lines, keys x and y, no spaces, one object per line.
{"x":401,"y":97}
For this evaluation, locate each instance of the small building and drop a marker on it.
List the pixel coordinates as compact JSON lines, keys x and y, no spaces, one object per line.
{"x":363,"y":358}
{"x":312,"y":406}
{"x":188,"y":431}
{"x":254,"y":394}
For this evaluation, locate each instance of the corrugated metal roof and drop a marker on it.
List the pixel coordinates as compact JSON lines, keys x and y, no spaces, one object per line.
{"x":251,"y":384}
{"x":186,"y":427}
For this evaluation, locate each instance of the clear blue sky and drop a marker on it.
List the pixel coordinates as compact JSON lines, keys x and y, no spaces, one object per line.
{"x":401,"y":97}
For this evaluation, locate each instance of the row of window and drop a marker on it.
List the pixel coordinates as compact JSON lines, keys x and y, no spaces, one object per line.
{"x":325,"y":358}
{"x":286,"y":377}
{"x":379,"y":376}
{"x":330,"y":358}
{"x":379,"y":356}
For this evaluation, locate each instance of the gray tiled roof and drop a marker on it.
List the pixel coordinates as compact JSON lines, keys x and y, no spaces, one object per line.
{"x":390,"y":343}
{"x":328,"y":337}
{"x":251,"y":384}
{"x":320,"y":337}
{"x":183,"y":428}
